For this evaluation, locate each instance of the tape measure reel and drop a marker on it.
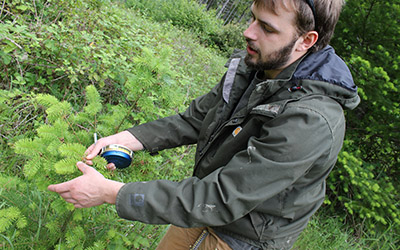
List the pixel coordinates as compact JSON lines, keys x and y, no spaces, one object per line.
{"x":119,"y":155}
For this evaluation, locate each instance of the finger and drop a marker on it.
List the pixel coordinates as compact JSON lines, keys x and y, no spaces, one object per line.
{"x":59,"y":188}
{"x":70,"y":200}
{"x":83,"y":167}
{"x":111,"y":166}
{"x":89,"y":149}
{"x":94,"y":149}
{"x":88,"y":162}
{"x":77,"y":205}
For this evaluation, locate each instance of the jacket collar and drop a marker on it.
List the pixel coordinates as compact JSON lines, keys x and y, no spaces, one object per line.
{"x":324,"y":65}
{"x":321,"y":72}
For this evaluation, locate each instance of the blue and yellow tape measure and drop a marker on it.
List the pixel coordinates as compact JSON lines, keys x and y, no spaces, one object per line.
{"x":120,"y":155}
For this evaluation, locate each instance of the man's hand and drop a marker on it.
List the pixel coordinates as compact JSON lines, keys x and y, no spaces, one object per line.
{"x":90,"y":189}
{"x":123,"y":138}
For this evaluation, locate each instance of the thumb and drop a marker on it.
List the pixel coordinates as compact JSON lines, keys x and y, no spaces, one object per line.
{"x":93,"y":150}
{"x":83,"y":167}
{"x":52,"y":188}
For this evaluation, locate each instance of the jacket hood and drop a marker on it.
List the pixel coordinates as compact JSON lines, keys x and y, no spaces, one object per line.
{"x":324,"y":71}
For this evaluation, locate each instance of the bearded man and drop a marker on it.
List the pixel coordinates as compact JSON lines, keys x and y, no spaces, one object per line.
{"x":267,"y":137}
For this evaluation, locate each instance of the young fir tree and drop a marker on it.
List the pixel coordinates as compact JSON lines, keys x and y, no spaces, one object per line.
{"x":51,"y":158}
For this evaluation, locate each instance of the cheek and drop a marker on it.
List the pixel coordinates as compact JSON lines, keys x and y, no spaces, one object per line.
{"x":266,"y":49}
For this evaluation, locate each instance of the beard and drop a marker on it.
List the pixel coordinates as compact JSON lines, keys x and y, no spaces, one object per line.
{"x":273,"y":61}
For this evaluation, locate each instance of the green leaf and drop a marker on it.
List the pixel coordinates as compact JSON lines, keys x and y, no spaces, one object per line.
{"x":22,"y":7}
{"x":74,"y":151}
{"x":65,"y":166}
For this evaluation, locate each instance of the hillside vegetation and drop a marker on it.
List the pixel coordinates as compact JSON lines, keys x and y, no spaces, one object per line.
{"x":69,"y":69}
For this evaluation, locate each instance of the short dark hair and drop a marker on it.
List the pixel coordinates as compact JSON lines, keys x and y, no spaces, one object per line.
{"x":327,"y":15}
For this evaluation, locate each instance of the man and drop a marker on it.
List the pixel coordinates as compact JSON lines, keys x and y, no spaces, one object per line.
{"x":267,"y":137}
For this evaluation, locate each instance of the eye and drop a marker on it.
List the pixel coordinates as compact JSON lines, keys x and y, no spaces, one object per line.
{"x":267,"y":29}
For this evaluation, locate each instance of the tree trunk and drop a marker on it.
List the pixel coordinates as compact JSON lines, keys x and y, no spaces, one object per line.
{"x":223,"y":8}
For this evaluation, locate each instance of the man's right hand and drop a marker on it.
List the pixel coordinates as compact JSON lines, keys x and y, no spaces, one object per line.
{"x":123,"y":138}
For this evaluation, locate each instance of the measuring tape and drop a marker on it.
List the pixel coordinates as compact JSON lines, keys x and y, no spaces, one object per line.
{"x":119,"y":155}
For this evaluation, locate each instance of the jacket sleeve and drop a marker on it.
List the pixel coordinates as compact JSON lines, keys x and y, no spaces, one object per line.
{"x":176,"y":130}
{"x":288,"y":148}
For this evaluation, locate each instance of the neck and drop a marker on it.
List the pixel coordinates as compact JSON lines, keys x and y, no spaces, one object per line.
{"x":272,"y":73}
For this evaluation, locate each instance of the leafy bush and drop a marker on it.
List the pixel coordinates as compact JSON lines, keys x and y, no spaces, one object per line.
{"x":228,"y":37}
{"x":367,"y":197}
{"x":58,"y":49}
{"x":365,"y":183}
{"x":194,"y":17}
{"x":182,"y":13}
{"x":51,"y":157}
{"x":75,"y":44}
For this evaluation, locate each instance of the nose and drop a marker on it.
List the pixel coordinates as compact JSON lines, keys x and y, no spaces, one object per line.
{"x":250,"y":33}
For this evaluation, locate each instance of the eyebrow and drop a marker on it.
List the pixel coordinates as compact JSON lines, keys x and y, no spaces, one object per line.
{"x":265,"y":22}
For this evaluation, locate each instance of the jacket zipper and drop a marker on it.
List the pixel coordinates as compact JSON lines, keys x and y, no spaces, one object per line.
{"x":201,"y":238}
{"x":214,"y":135}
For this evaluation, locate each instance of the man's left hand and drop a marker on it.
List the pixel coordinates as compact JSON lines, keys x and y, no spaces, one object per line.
{"x":90,"y":189}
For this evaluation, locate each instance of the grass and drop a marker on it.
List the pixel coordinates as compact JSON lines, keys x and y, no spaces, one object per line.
{"x":329,"y":233}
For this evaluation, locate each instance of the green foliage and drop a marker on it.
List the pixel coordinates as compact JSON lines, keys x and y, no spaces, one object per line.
{"x":192,"y":16}
{"x":227,"y":38}
{"x":51,"y":157}
{"x":372,"y":54}
{"x":365,"y":183}
{"x":182,"y":13}
{"x":10,"y":216}
{"x":328,"y":233}
{"x":153,"y":84}
{"x":72,"y":44}
{"x":52,"y":129}
{"x":365,"y":196}
{"x":94,"y":101}
{"x":19,"y":119}
{"x":63,"y":49}
{"x":55,"y":149}
{"x":332,"y":233}
{"x":102,"y":68}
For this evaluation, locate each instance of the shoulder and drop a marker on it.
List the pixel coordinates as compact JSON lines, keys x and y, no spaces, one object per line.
{"x":320,"y":110}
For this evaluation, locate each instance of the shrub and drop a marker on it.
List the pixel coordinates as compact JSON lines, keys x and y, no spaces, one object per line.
{"x":59,"y":48}
{"x":51,"y":156}
{"x":367,"y":195}
{"x":194,"y":17}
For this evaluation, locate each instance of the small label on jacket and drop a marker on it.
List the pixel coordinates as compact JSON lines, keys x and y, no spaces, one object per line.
{"x":137,"y":200}
{"x":236,"y":131}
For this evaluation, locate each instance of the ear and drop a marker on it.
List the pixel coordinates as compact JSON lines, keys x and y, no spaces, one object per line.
{"x":306,"y":41}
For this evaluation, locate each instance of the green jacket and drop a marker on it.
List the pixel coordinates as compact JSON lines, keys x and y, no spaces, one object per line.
{"x":262,"y":158}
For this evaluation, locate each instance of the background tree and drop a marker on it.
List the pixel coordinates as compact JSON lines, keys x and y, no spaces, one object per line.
{"x":366,"y":181}
{"x":229,"y":10}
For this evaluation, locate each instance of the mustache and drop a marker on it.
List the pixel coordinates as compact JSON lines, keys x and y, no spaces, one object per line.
{"x":251,"y":45}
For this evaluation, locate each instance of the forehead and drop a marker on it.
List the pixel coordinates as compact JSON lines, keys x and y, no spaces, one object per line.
{"x":279,"y":14}
{"x":276,"y":6}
